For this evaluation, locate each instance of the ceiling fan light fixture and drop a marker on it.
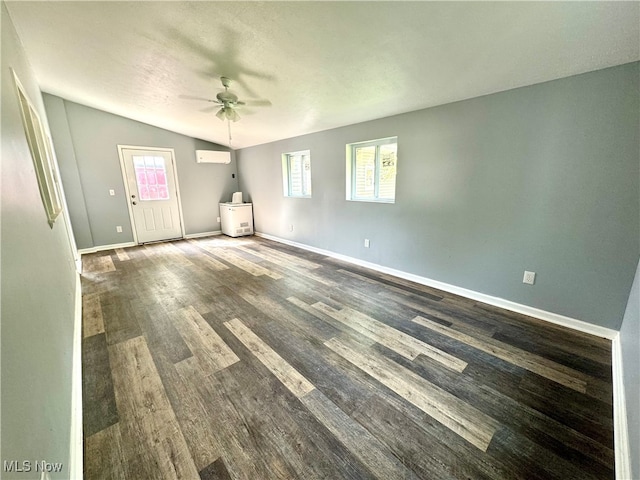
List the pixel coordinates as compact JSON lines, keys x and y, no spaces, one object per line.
{"x":221,"y":114}
{"x":232,"y":114}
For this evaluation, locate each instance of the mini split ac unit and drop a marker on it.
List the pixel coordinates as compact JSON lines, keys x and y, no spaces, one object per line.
{"x":210,"y":156}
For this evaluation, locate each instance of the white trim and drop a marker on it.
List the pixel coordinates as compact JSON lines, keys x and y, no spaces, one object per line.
{"x":550,"y":317}
{"x":620,"y":427}
{"x":125,"y":180}
{"x":102,"y":248}
{"x":75,"y":436}
{"x":202,"y":234}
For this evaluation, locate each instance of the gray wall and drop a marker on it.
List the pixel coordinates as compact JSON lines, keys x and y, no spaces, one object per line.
{"x":543,"y":178}
{"x":37,"y":291}
{"x":630,"y":344}
{"x":86,"y":143}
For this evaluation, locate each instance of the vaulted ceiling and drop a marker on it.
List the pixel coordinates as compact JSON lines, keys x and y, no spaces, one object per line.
{"x":309,"y":66}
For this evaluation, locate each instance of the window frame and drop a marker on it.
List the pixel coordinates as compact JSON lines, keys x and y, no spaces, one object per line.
{"x":351,"y":180}
{"x":287,"y":171}
{"x":42,"y":154}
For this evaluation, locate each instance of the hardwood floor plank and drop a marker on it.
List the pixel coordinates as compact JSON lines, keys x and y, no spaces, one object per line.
{"x":212,"y":427}
{"x":522,"y":326}
{"x":120,"y":323}
{"x":209,"y":350}
{"x":152,"y":440}
{"x":467,"y":324}
{"x":581,"y":363}
{"x":229,"y":256}
{"x":325,"y":317}
{"x":352,"y":435}
{"x":524,"y":457}
{"x":168,"y":252}
{"x":103,"y":456}
{"x":97,"y":263}
{"x":519,"y":417}
{"x":318,"y":364}
{"x":390,"y":280}
{"x":206,"y":260}
{"x":371,"y":452}
{"x":296,"y":383}
{"x":282,"y":311}
{"x":425,"y":445}
{"x":241,"y":407}
{"x":215,"y":471}
{"x":122,"y":254}
{"x":466,"y":421}
{"x":160,"y":333}
{"x":280,"y":258}
{"x":323,"y":377}
{"x":285,"y":434}
{"x":407,"y":289}
{"x":397,"y":341}
{"x":180,"y":382}
{"x":92,"y":322}
{"x":98,"y":396}
{"x":594,"y":419}
{"x":534,"y":363}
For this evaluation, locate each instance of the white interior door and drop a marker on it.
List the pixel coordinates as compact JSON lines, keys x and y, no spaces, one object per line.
{"x":153,"y":194}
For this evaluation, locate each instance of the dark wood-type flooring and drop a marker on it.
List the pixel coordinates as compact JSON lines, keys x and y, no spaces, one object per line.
{"x":224,"y":358}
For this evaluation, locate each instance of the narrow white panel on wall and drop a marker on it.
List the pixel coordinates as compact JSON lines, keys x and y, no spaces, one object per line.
{"x":211,"y":156}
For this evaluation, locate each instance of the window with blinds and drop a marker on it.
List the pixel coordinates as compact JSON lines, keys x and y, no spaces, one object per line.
{"x":371,"y":170}
{"x":296,"y":174}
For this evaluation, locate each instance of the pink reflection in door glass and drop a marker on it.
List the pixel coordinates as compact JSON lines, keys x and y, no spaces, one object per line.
{"x":151,"y":178}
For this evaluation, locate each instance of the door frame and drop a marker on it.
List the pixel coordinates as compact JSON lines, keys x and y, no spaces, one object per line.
{"x":171,"y":151}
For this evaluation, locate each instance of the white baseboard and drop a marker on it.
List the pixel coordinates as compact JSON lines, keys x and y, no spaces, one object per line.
{"x":551,"y":317}
{"x":203,"y":234}
{"x":75,"y":437}
{"x":102,"y":248}
{"x":620,"y":426}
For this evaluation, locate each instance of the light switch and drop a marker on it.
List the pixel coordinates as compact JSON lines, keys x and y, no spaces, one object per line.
{"x":112,"y":192}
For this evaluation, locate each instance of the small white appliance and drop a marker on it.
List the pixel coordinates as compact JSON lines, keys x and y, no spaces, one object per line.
{"x":236,"y":219}
{"x":236,"y":197}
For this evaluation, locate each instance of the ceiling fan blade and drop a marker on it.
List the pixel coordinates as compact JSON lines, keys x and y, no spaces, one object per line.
{"x":258,"y":103}
{"x":209,"y":109}
{"x":191,"y":97}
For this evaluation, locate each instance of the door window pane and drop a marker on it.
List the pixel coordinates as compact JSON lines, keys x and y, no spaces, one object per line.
{"x":151,"y":177}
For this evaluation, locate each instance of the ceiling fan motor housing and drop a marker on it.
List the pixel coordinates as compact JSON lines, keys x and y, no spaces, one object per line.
{"x":227,"y":97}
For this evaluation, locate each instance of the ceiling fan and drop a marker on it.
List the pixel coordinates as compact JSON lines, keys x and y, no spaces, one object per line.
{"x":228,"y":101}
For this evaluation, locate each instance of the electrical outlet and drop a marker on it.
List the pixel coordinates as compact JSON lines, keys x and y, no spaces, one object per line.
{"x":529,"y":278}
{"x":112,"y":192}
{"x":366,"y":243}
{"x":119,"y":229}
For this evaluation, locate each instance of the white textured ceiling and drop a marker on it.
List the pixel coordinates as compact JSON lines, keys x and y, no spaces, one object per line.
{"x":320,"y":64}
